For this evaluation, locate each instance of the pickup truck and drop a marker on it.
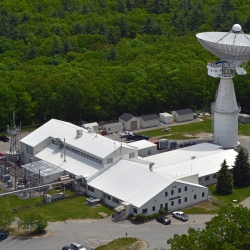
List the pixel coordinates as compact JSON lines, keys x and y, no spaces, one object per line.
{"x":180,"y":215}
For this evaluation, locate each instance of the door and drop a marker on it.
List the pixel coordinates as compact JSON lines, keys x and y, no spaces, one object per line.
{"x":133,"y":125}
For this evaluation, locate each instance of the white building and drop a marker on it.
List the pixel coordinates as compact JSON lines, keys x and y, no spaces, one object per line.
{"x":82,"y":153}
{"x":149,"y":121}
{"x":140,"y":190}
{"x":129,"y":122}
{"x":144,"y":147}
{"x":113,"y":128}
{"x":166,"y":118}
{"x":183,"y":115}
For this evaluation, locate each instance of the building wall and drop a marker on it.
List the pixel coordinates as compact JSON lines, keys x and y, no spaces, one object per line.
{"x":27,"y":153}
{"x":150,"y":123}
{"x":161,"y":199}
{"x":183,"y":118}
{"x":208,"y":180}
{"x":166,"y":119}
{"x":127,"y":125}
{"x":51,"y":178}
{"x":39,"y":147}
{"x":113,"y":129}
{"x":193,"y":178}
{"x":145,"y":151}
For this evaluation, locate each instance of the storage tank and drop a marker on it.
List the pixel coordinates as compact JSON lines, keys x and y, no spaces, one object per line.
{"x":163,"y":144}
{"x":173,"y":144}
{"x":28,"y":184}
{"x":4,"y":178}
{"x":20,"y":181}
{"x":7,"y":176}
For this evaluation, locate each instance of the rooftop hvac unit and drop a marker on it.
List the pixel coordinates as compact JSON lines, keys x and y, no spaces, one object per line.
{"x":79,"y":132}
{"x":91,"y":130}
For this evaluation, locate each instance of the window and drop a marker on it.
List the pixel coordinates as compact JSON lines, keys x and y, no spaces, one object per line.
{"x":214,"y":176}
{"x":161,"y":206}
{"x":110,"y":160}
{"x":172,"y":192}
{"x":186,"y":199}
{"x":153,"y":208}
{"x":135,"y":210}
{"x":166,"y":194}
{"x":149,"y":152}
{"x":207,"y":178}
{"x":203,"y":194}
{"x":108,"y":196}
{"x":91,"y":189}
{"x":179,"y":201}
{"x":131,"y":155}
{"x":172,"y":203}
{"x":144,"y":211}
{"x":195,"y":196}
{"x":186,"y":188}
{"x":115,"y":200}
{"x":166,"y":205}
{"x":179,"y":190}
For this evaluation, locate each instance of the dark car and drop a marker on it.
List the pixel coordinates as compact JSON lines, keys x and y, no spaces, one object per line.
{"x":164,"y":220}
{"x":137,"y":137}
{"x":4,"y":138}
{"x":3,"y":236}
{"x":68,"y":248}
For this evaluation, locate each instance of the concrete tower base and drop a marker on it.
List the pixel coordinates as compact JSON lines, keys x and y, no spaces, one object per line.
{"x":226,"y":112}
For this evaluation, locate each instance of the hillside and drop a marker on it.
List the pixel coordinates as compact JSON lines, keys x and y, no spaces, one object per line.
{"x":93,"y":60}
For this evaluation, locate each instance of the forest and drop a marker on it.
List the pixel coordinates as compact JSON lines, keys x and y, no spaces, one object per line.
{"x":93,"y":60}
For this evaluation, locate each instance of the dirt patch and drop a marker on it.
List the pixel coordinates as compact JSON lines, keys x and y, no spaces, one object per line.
{"x":188,"y":135}
{"x":15,"y":231}
{"x":209,"y":205}
{"x":204,"y":135}
{"x":139,"y":245}
{"x":103,"y":214}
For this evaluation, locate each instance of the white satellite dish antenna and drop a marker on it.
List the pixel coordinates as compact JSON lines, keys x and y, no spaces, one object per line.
{"x":233,"y":49}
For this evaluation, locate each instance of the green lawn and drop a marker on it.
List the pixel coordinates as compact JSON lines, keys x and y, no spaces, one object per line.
{"x":121,"y":244}
{"x":69,"y":208}
{"x":178,"y":132}
{"x":244,"y":129}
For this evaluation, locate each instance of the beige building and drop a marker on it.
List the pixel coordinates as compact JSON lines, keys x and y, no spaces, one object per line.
{"x":183,"y":115}
{"x":149,"y":121}
{"x":129,"y":122}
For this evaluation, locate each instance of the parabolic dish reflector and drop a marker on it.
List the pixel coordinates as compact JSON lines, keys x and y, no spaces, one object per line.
{"x":233,"y":45}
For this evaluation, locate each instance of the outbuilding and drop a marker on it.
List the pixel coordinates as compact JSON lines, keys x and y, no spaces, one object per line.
{"x":89,"y":126}
{"x":166,"y":118}
{"x":243,"y":118}
{"x":147,"y":121}
{"x":145,"y":148}
{"x":183,"y":115}
{"x":113,"y":128}
{"x":129,"y":122}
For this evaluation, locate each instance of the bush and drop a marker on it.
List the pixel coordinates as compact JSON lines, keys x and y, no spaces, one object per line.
{"x":162,"y":211}
{"x":140,"y":217}
{"x":130,"y":216}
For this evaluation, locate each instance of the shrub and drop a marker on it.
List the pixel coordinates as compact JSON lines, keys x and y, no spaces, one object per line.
{"x":140,"y":217}
{"x":162,"y":211}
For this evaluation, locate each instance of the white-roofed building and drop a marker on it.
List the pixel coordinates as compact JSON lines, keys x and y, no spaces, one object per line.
{"x":203,"y":160}
{"x":82,"y":153}
{"x":145,"y":147}
{"x":140,"y":190}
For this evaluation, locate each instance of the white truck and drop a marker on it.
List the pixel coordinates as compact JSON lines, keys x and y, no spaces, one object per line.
{"x":180,"y":215}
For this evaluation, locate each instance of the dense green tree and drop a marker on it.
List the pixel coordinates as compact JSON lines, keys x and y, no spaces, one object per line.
{"x":6,"y":216}
{"x":241,"y":170}
{"x":123,"y":27}
{"x":224,"y":180}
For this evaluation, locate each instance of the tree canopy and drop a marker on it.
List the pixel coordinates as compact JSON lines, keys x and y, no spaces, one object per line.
{"x":229,"y":230}
{"x":94,"y":60}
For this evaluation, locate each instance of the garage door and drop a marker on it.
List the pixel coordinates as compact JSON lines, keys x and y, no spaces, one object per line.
{"x":133,"y":125}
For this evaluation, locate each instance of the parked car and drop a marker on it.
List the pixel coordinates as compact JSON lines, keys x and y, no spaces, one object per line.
{"x":68,"y":248}
{"x":77,"y":246}
{"x":3,"y":236}
{"x":137,"y":137}
{"x":164,"y":220}
{"x":180,"y":215}
{"x":4,"y":138}
{"x":125,"y":134}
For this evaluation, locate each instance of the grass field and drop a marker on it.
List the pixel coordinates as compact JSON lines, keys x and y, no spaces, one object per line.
{"x":121,"y":244}
{"x":185,"y":131}
{"x":72,"y":207}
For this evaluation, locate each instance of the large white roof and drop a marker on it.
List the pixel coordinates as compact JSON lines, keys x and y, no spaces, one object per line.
{"x":142,"y":144}
{"x":203,"y":158}
{"x":74,"y":164}
{"x":92,"y":143}
{"x":130,"y":181}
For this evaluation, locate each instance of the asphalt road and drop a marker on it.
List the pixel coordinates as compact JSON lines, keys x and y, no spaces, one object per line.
{"x":92,"y":233}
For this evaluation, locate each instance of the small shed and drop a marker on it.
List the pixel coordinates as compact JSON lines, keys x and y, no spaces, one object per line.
{"x":93,"y":125}
{"x":244,"y":118}
{"x":166,"y":118}
{"x":129,"y":122}
{"x":113,"y":128}
{"x":145,"y":148}
{"x":183,"y":115}
{"x":149,"y":121}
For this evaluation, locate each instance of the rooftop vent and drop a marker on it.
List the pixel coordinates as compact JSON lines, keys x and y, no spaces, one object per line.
{"x":151,"y":166}
{"x":79,"y":132}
